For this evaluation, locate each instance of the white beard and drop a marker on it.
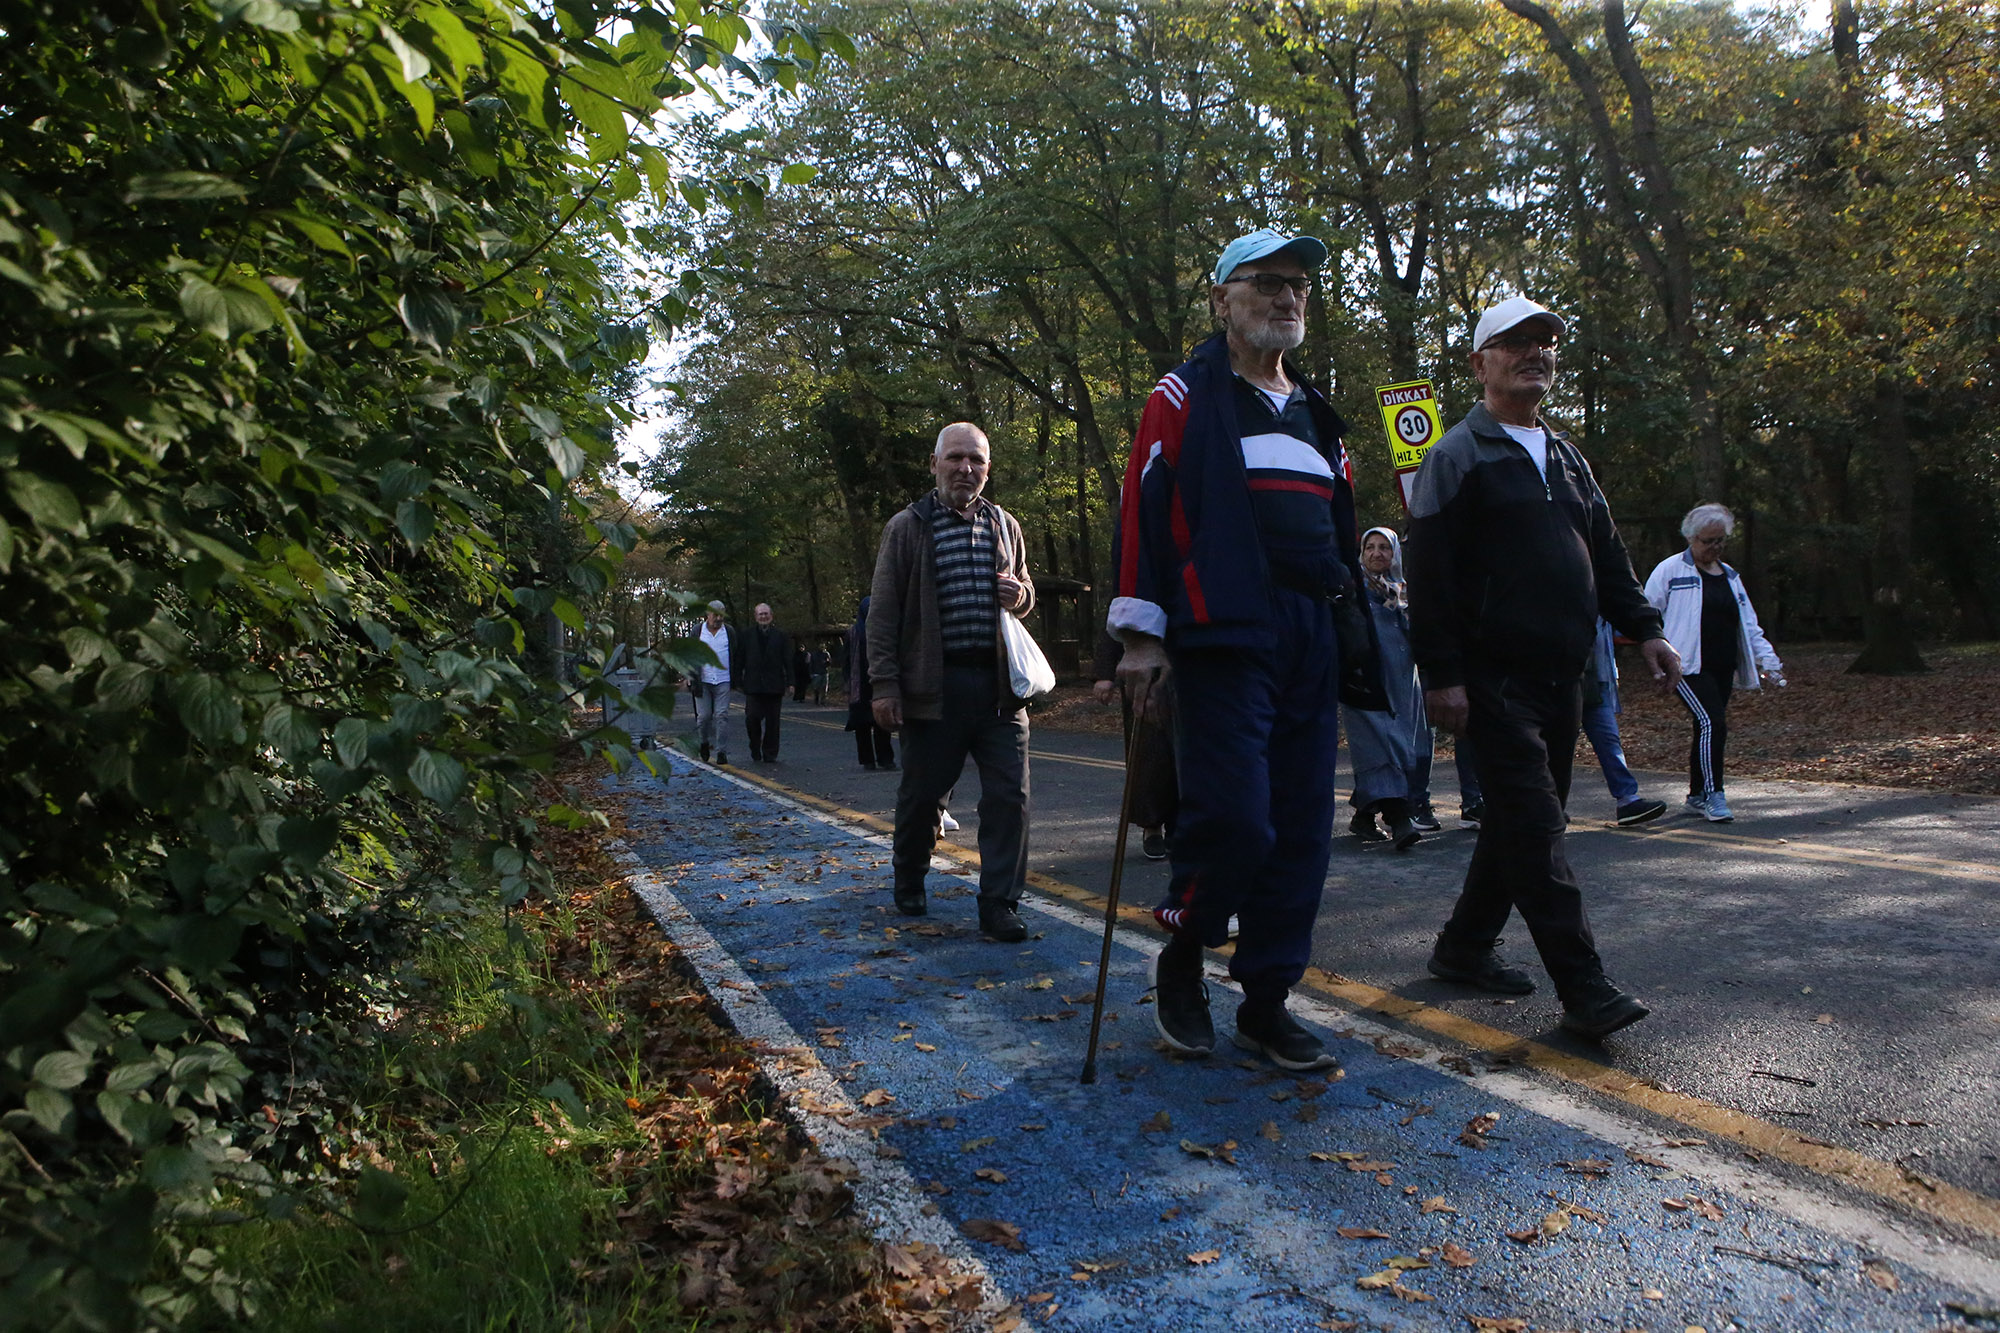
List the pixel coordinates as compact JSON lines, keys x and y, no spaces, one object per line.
{"x":1268,"y":337}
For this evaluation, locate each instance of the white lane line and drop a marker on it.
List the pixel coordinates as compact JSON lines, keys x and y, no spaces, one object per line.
{"x":885,"y":1191}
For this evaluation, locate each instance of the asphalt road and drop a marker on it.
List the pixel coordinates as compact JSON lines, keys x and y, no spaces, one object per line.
{"x":1827,"y":967}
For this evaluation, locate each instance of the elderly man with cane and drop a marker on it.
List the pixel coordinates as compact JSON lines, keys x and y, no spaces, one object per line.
{"x":1237,"y":564}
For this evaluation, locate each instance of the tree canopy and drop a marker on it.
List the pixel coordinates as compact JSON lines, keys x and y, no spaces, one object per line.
{"x":1767,"y":239}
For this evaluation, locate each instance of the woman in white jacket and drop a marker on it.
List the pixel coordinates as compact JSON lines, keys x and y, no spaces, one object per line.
{"x":1712,"y":626}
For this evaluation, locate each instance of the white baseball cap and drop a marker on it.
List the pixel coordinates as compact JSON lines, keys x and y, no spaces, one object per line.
{"x":1514,"y":310}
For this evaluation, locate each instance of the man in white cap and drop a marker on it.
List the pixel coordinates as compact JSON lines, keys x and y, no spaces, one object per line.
{"x":1236,"y":541}
{"x":1512,"y":558}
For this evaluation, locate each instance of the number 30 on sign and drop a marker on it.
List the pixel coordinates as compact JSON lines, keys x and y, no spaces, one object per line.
{"x":1410,"y":415}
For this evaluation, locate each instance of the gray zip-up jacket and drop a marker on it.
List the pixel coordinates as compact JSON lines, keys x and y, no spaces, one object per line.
{"x":1510,"y":569}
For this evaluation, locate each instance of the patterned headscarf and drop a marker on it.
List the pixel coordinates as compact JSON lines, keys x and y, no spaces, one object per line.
{"x":1389,"y":587}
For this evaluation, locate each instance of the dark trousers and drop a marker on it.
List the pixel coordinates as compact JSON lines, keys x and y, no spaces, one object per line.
{"x":1255,"y":733}
{"x":1523,"y":740}
{"x":873,"y":746}
{"x":760,"y":715}
{"x":974,"y":726}
{"x":1706,"y":695}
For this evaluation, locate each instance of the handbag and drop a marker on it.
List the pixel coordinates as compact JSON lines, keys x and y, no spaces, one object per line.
{"x":1029,"y":674}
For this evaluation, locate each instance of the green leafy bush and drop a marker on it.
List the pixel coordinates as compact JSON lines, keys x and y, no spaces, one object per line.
{"x":305,"y":371}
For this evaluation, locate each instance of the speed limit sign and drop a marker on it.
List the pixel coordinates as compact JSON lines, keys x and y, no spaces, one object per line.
{"x":1410,"y":415}
{"x":1413,"y":426}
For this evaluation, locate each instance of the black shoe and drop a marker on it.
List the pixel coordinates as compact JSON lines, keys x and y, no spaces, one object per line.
{"x":1641,"y":810}
{"x":1484,"y":968}
{"x":1001,"y":923}
{"x":756,"y":758}
{"x":722,"y":756}
{"x":911,"y":904}
{"x":1471,"y":815}
{"x":1274,"y":1034}
{"x":1597,"y":1009}
{"x":1403,"y":833}
{"x":1363,"y":826}
{"x":1426,"y":821}
{"x":704,"y":754}
{"x":869,"y":766}
{"x":888,"y":766}
{"x":1155,"y":845}
{"x":1180,"y":997}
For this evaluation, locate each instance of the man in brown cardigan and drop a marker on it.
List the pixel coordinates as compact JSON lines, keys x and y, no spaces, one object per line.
{"x":949,"y":567}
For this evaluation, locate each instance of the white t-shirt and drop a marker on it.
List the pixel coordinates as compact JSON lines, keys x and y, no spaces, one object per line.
{"x":1536,"y":441}
{"x":1278,"y":400}
{"x":718,"y":643}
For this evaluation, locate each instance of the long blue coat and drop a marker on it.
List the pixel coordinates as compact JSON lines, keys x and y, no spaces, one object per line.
{"x":1391,"y":752}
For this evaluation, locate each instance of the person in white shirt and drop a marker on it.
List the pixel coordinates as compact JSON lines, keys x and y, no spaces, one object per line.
{"x":711,"y":687}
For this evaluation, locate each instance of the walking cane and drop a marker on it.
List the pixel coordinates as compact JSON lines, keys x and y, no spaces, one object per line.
{"x":1111,"y":905}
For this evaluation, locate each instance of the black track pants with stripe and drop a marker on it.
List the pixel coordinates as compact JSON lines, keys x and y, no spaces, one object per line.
{"x":1706,"y":696}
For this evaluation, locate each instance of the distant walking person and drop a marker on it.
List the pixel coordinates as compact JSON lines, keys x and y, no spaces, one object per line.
{"x":801,"y":674}
{"x":767,"y":669}
{"x":710,"y":686}
{"x":1390,"y":751}
{"x":1714,"y":628}
{"x":816,"y":664}
{"x":872,"y":744}
{"x":949,"y":567}
{"x":1513,"y":557}
{"x":1600,"y":724}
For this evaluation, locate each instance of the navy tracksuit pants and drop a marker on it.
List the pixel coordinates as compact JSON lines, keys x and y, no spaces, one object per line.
{"x":1255,"y":733}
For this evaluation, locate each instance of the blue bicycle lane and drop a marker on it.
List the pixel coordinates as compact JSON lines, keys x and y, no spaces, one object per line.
{"x":1172,"y":1194}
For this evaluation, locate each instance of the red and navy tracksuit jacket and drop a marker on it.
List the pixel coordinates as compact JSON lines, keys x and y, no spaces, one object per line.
{"x":1192,"y":565}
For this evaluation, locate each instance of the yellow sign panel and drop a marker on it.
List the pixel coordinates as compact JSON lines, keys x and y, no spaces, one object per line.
{"x":1410,"y":415}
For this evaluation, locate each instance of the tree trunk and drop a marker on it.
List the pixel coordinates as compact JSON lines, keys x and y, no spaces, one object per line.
{"x":1891,"y":648}
{"x":1650,"y":212}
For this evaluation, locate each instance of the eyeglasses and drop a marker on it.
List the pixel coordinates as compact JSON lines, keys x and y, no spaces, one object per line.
{"x":1521,"y":342}
{"x":1270,"y":284}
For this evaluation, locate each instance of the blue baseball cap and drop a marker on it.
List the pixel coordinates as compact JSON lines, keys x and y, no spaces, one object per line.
{"x":1308,"y":250}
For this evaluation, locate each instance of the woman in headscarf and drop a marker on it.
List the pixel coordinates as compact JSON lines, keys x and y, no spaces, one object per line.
{"x":1391,"y":752}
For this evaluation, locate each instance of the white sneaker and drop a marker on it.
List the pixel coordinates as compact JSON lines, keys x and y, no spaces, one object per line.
{"x":1718,"y":811}
{"x":946,"y":822}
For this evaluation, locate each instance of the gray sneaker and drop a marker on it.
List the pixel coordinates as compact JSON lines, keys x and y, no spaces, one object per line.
{"x":1717,"y":810}
{"x":1697,"y":805}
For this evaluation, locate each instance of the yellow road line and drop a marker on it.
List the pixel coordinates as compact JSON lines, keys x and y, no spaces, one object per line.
{"x":1817,"y":851}
{"x":1885,"y":1180}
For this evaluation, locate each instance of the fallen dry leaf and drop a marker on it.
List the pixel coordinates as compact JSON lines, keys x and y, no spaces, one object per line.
{"x":1269,"y":1129}
{"x":1389,"y":1280}
{"x":1400,"y":1050}
{"x":1408,"y":1263}
{"x":1880,"y":1274}
{"x":1674,"y":1205}
{"x":1336,"y":1156}
{"x":1711,"y":1211}
{"x":1456,"y":1255}
{"x":1526,"y":1235}
{"x":974,"y":1145}
{"x":1476,"y":1129}
{"x":1488,"y":1324}
{"x":1361,"y":1233}
{"x":1040,"y":983}
{"x":1436,"y":1204}
{"x":1224,"y":1151}
{"x":992,"y":1173}
{"x":1588,"y":1166}
{"x":1201,"y":1257}
{"x":1363,"y":1164}
{"x":926,"y":1047}
{"x":994,"y":1232}
{"x":1646,"y":1159}
{"x":1555,"y":1223}
{"x":1040,"y":1297}
{"x":1159,"y":1124}
{"x":877,"y":1097}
